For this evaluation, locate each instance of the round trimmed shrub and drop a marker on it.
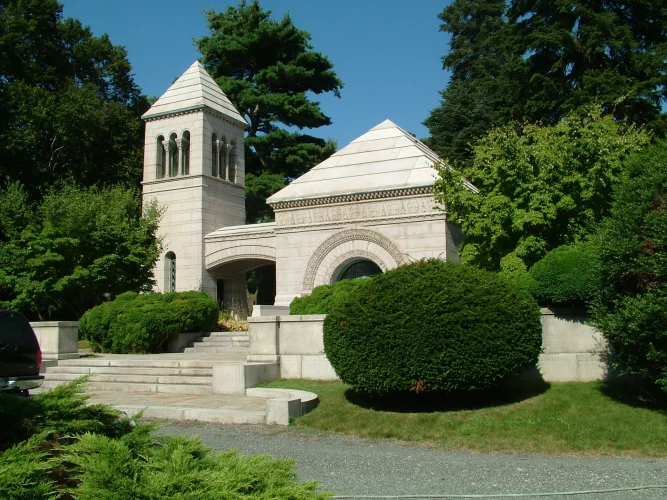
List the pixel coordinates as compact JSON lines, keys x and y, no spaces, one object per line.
{"x":322,"y":298}
{"x":141,"y":323}
{"x":631,"y":307}
{"x":566,"y":276}
{"x":432,"y":326}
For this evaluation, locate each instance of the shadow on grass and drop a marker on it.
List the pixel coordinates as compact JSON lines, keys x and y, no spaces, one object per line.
{"x":431,"y":402}
{"x":634,"y":392}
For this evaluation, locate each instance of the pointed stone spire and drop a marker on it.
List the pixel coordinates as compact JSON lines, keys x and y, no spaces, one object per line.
{"x":194,"y":89}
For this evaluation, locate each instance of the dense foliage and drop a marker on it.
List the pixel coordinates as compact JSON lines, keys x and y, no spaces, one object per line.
{"x":267,"y":68}
{"x":323,"y":298}
{"x":537,"y":61}
{"x":566,"y":276}
{"x":63,"y":448}
{"x":632,"y":307}
{"x":69,"y":105}
{"x":142,"y":323}
{"x":74,"y":250}
{"x":539,"y":187}
{"x":472,"y":330}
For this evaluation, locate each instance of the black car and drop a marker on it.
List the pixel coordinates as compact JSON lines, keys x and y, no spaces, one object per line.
{"x":20,"y":356}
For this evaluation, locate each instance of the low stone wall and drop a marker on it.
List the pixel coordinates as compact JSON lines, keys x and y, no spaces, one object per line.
{"x":57,"y":339}
{"x":572,"y":349}
{"x":293,"y":341}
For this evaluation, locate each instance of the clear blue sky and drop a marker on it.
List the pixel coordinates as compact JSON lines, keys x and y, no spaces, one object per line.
{"x":387,"y":52}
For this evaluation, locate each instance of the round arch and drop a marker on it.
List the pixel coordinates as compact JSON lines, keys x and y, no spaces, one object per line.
{"x":341,"y":248}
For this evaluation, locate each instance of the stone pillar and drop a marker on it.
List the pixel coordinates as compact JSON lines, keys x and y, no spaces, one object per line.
{"x":182,"y":145}
{"x":222,"y":148}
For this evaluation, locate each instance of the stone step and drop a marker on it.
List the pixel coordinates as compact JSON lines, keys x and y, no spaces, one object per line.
{"x":219,"y":350}
{"x":117,"y":370}
{"x":139,"y":362}
{"x":222,"y":343}
{"x":134,"y":379}
{"x":240,"y":335}
{"x":93,"y":386}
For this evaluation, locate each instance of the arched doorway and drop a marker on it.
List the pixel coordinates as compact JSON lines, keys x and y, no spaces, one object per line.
{"x":358,"y":268}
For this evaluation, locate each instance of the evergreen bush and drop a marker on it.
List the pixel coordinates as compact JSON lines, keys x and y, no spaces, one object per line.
{"x":566,"y":276}
{"x":323,"y":298}
{"x":432,"y":326}
{"x":631,"y":308}
{"x":141,"y":323}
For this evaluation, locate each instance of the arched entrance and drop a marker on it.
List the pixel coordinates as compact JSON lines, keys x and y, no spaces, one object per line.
{"x":358,"y":268}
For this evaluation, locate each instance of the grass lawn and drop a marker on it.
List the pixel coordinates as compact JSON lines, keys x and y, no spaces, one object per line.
{"x":572,"y":418}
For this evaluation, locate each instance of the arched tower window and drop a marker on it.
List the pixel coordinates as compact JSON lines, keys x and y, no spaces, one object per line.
{"x":170,"y":272}
{"x":360,"y":268}
{"x":160,"y":157}
{"x":173,"y":156}
{"x":184,"y":148}
{"x":232,"y":164}
{"x":214,"y":155}
{"x":222,"y":158}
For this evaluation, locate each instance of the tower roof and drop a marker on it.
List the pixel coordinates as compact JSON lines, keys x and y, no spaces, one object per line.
{"x":194,"y":89}
{"x":384,"y":158}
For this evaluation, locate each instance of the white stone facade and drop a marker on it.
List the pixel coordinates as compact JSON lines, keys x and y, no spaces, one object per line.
{"x":371,"y":201}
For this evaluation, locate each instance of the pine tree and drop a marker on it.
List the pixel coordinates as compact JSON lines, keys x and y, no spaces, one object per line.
{"x":267,"y":68}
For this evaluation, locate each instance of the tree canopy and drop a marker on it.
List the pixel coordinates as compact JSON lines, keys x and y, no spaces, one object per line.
{"x":69,"y":105}
{"x":538,"y":60}
{"x":268,"y":68}
{"x":74,"y":250}
{"x":539,"y":186}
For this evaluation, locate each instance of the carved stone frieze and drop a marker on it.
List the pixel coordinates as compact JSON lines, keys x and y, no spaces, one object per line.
{"x":386,"y":209}
{"x":343,"y":237}
{"x":352,"y":197}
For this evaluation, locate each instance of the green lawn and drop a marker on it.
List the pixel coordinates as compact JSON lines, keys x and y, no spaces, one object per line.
{"x":573,"y":418}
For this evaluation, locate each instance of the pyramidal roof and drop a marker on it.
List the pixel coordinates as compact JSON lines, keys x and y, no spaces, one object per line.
{"x":384,"y":158}
{"x":194,"y":89}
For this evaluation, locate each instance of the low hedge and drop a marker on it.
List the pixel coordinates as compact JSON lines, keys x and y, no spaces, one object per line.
{"x":141,"y":323}
{"x":566,"y":276}
{"x":323,"y":298}
{"x":432,"y":326}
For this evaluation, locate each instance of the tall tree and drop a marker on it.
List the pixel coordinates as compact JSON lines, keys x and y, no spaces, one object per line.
{"x":538,"y":60}
{"x":267,"y":68}
{"x":69,"y":106}
{"x":482,"y":91}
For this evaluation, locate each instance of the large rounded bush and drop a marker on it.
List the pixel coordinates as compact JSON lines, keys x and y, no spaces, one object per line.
{"x":141,"y":323}
{"x":566,"y":276}
{"x":631,"y":310}
{"x":323,"y":298}
{"x":432,"y":326}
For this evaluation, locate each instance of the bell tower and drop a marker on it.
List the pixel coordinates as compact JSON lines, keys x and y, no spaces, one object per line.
{"x":194,"y":168}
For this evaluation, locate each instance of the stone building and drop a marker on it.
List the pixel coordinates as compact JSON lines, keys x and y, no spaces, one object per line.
{"x":366,"y":209}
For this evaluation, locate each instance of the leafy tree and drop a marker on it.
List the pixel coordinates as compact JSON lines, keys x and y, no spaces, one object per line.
{"x":267,"y":68}
{"x":631,"y":310}
{"x":540,"y":60}
{"x":70,"y":108}
{"x":539,"y":187}
{"x":78,"y":248}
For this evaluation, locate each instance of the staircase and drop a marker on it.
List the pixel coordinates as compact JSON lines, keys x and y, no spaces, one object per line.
{"x":220,"y":342}
{"x":190,"y":372}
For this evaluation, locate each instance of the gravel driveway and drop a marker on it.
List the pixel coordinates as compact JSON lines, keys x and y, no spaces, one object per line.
{"x":350,"y":466}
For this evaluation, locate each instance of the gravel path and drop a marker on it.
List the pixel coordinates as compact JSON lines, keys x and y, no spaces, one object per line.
{"x":350,"y":466}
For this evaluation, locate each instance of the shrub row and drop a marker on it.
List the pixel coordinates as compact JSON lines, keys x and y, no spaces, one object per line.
{"x":323,"y":298}
{"x":431,"y":326}
{"x":141,"y":323}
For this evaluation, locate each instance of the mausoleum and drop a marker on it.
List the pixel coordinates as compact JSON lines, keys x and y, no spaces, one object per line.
{"x":366,"y":209}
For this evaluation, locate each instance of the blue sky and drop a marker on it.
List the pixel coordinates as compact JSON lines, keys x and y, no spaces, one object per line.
{"x":387,"y":52}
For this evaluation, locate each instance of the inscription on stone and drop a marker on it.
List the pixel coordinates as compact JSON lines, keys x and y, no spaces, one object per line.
{"x":358,"y":211}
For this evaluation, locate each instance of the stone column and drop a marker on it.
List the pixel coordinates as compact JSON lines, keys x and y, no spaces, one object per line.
{"x":227,"y":166}
{"x":182,"y":145}
{"x":167,"y":160}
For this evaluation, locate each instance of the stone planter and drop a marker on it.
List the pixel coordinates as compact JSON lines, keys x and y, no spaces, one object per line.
{"x":57,"y":340}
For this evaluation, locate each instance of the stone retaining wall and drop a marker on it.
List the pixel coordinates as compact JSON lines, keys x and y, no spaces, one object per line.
{"x":572,"y":349}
